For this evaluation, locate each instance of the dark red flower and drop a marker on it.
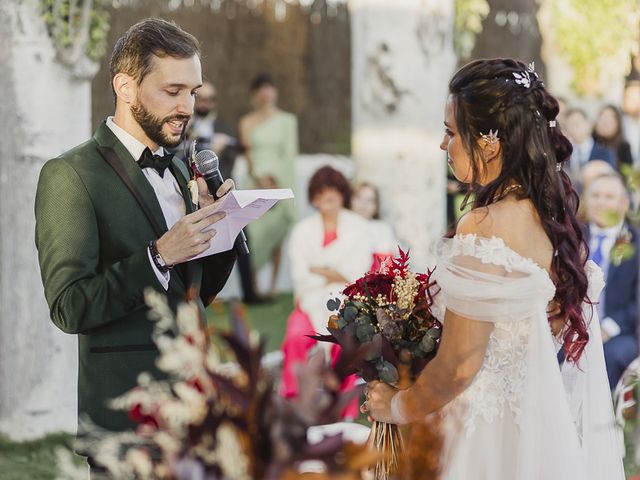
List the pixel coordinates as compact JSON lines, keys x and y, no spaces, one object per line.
{"x":136,"y":415}
{"x":372,"y":284}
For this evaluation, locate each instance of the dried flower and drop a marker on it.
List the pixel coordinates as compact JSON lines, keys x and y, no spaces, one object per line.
{"x":220,"y":420}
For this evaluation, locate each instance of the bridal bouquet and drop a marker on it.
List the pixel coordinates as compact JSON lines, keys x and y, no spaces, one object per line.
{"x":387,"y":315}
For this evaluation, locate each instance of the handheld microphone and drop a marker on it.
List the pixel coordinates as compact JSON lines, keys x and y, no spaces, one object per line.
{"x":206,"y":162}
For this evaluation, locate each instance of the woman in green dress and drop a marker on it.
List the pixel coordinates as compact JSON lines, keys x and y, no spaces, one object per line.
{"x":270,"y":138}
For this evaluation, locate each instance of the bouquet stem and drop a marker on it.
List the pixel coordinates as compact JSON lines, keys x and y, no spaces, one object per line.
{"x":387,"y":441}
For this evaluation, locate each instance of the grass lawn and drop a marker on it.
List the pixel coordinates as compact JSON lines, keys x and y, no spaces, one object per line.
{"x":269,"y":320}
{"x":38,"y":459}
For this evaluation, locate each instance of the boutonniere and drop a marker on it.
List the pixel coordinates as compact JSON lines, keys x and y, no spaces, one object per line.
{"x":623,"y":249}
{"x":194,"y":174}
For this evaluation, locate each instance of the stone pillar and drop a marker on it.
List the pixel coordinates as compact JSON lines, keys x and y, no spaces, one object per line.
{"x":44,"y":111}
{"x":402,"y":57}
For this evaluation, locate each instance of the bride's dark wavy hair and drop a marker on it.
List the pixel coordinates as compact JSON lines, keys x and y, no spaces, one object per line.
{"x":486,"y":96}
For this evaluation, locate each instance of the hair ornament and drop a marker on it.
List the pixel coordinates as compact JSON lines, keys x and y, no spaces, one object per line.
{"x":552,"y":123}
{"x":523,"y":79}
{"x":491,"y":138}
{"x":531,"y":68}
{"x":558,"y":166}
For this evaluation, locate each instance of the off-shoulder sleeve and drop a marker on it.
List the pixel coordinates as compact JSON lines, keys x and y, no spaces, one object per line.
{"x":483,"y":279}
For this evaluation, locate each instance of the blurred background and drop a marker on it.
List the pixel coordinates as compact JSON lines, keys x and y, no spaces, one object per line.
{"x":366,"y":81}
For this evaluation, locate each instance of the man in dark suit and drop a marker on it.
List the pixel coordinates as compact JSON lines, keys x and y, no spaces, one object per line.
{"x":114,"y":216}
{"x":585,"y":148}
{"x":613,"y":245}
{"x":211,"y":132}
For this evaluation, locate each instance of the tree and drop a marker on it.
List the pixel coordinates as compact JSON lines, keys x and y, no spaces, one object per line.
{"x":45,"y":111}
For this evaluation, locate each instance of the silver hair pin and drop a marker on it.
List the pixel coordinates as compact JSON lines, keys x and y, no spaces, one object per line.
{"x":531,"y":68}
{"x":552,"y":123}
{"x":558,"y":166}
{"x":491,"y":138}
{"x":523,"y":79}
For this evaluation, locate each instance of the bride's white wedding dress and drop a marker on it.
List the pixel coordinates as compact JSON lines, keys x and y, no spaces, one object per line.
{"x":522,"y":418}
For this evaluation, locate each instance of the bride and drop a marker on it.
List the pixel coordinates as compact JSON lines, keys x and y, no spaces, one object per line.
{"x":515,"y":288}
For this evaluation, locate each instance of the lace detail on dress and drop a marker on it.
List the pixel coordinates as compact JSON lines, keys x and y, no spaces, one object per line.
{"x":488,"y":250}
{"x":500,"y":382}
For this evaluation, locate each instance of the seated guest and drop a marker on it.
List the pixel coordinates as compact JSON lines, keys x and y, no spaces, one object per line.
{"x":608,"y":132}
{"x":328,"y":250}
{"x":589,"y":172}
{"x":210,"y":131}
{"x":365,"y":201}
{"x":613,"y":245}
{"x":579,"y":129}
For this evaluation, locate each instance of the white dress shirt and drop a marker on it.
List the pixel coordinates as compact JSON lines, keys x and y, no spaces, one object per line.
{"x":608,"y":324}
{"x":166,"y":188}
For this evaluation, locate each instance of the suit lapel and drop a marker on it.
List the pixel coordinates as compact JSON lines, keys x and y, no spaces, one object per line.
{"x":131,"y":175}
{"x":192,"y":269}
{"x":180,"y":172}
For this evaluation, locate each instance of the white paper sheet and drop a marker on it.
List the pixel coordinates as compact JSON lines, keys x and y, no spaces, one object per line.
{"x":242,"y":207}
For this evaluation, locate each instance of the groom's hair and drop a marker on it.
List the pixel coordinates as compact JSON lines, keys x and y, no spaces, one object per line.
{"x":134,"y":51}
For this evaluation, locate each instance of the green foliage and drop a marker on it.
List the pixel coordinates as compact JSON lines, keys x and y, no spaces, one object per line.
{"x":469,"y":15}
{"x":595,"y":36}
{"x":66,"y":24}
{"x":632,"y":178}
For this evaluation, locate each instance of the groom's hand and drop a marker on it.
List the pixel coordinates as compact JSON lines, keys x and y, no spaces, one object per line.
{"x":186,"y":238}
{"x":204,"y":196}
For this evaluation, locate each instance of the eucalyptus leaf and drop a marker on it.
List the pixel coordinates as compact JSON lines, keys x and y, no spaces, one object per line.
{"x":365,"y":332}
{"x":388,"y":373}
{"x":350,"y":313}
{"x":333,"y":304}
{"x":427,"y":344}
{"x":434,"y":332}
{"x":358,"y":305}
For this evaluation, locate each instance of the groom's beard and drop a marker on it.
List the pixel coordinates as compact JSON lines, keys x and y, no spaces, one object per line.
{"x":152,"y":126}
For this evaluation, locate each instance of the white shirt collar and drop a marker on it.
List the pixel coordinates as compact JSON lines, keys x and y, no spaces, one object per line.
{"x":134,"y":146}
{"x":609,"y":232}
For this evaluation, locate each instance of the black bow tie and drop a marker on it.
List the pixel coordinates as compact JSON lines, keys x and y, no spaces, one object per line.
{"x":149,"y":160}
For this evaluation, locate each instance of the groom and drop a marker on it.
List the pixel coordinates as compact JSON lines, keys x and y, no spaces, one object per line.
{"x":114,"y":217}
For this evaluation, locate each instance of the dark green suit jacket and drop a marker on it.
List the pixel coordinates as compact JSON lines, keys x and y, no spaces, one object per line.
{"x":92,"y":237}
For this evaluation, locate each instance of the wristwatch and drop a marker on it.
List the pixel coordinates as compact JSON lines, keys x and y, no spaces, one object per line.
{"x":157,"y":258}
